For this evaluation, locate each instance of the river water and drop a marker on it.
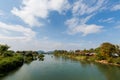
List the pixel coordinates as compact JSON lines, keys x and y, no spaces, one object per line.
{"x":59,"y":68}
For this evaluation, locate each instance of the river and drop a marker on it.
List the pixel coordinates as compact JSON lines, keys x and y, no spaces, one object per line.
{"x":59,"y":68}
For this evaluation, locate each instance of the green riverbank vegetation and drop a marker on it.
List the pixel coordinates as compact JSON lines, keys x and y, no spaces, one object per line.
{"x":11,"y":60}
{"x":28,"y":56}
{"x":41,"y":57}
{"x":106,"y":53}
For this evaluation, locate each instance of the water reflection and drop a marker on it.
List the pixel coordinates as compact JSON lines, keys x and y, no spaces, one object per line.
{"x":41,"y":59}
{"x":111,"y":72}
{"x":10,"y":73}
{"x":62,"y":68}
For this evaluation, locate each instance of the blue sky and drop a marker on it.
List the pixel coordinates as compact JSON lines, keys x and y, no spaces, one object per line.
{"x":59,"y":24}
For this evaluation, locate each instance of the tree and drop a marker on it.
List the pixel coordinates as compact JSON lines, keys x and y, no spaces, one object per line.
{"x":3,"y":49}
{"x":91,"y":50}
{"x":40,"y":56}
{"x":8,"y":53}
{"x":85,"y":51}
{"x":97,"y":50}
{"x":107,"y":49}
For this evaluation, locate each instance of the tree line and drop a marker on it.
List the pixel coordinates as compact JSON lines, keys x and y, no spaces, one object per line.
{"x":10,"y":60}
{"x":106,"y":51}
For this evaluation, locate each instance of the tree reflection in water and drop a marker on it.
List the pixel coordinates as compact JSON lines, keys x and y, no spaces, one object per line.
{"x":111,"y":72}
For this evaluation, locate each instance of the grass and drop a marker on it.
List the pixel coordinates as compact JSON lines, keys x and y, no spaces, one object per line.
{"x":10,"y":63}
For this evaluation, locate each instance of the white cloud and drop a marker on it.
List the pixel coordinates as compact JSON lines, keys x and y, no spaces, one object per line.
{"x":85,"y":29}
{"x":81,"y":7}
{"x":108,"y":20}
{"x":9,"y":31}
{"x":83,"y":11}
{"x":42,"y":44}
{"x":71,"y":23}
{"x":31,"y":10}
{"x":21,"y":38}
{"x":86,"y":19}
{"x":116,"y":7}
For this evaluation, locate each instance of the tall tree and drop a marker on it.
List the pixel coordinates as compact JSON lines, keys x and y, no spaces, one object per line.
{"x":106,"y":49}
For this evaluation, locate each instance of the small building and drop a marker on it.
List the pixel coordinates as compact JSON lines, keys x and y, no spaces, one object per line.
{"x":90,"y":54}
{"x":115,"y":55}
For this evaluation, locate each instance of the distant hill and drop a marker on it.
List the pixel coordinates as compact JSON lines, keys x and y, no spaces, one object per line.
{"x":41,"y":52}
{"x":50,"y":52}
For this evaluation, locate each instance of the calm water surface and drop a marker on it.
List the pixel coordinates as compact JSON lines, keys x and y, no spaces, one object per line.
{"x":58,"y":68}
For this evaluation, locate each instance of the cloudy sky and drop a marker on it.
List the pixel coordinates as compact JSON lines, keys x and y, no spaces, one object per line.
{"x":59,"y":24}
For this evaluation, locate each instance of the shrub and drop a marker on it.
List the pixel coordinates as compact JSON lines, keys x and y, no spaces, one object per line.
{"x":8,"y":54}
{"x":110,"y":60}
{"x":10,"y":63}
{"x":40,"y":56}
{"x":117,"y":60}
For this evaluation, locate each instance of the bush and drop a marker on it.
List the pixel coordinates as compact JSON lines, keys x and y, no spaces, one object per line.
{"x":110,"y":60}
{"x":8,"y":54}
{"x":117,"y":60}
{"x":99,"y":56}
{"x":114,"y":60}
{"x":28,"y":59}
{"x":92,"y":58}
{"x":10,"y":63}
{"x":40,"y":56}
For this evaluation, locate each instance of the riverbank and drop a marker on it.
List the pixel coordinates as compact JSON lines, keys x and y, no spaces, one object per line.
{"x":110,"y":61}
{"x":106,"y":62}
{"x":8,"y":64}
{"x":59,"y":68}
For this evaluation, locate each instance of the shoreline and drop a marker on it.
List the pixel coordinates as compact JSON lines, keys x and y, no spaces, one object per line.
{"x":87,"y":58}
{"x":9,"y":64}
{"x":105,"y":62}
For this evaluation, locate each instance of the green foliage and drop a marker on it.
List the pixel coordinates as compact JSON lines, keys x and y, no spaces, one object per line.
{"x":9,"y":60}
{"x":10,"y":63}
{"x":100,"y":56}
{"x":106,"y":49}
{"x":28,"y":59}
{"x":60,"y":52}
{"x":92,"y":58}
{"x":40,"y":55}
{"x":97,"y":50}
{"x":3,"y":49}
{"x":110,"y":60}
{"x":91,"y":50}
{"x":117,"y":60}
{"x":8,"y":53}
{"x":104,"y":52}
{"x":114,"y":60}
